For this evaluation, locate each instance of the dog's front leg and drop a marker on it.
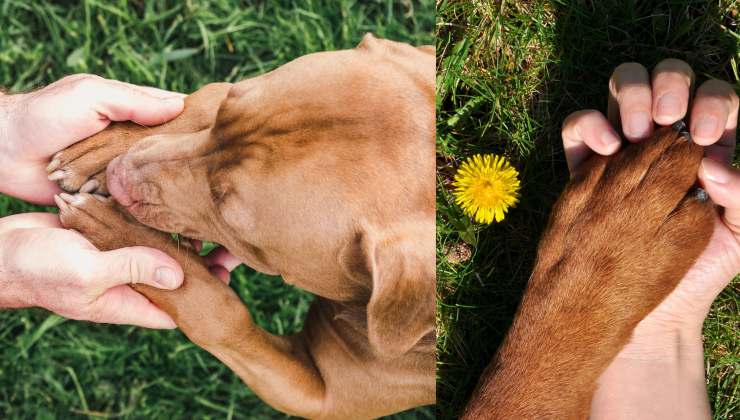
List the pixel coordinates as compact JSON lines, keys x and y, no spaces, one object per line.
{"x":620,"y":238}
{"x":278,"y":369}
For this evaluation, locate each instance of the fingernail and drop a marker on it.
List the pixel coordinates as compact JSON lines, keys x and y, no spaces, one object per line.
{"x":609,"y":139}
{"x":706,"y":128}
{"x":669,"y":106}
{"x":639,"y":124}
{"x":714,"y":171}
{"x":166,"y":277}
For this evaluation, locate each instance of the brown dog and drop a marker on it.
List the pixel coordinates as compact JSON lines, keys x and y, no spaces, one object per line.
{"x":624,"y":232}
{"x":321,"y":171}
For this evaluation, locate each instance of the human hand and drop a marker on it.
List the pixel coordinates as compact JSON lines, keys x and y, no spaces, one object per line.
{"x":35,"y":125}
{"x":42,"y":264}
{"x":638,"y":102}
{"x":659,"y":373}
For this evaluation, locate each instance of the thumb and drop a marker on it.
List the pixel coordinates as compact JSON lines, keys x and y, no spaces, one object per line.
{"x":123,"y":102}
{"x":140,"y":264}
{"x":723,"y":185}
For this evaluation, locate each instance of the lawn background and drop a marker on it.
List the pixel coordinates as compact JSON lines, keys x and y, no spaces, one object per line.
{"x":54,"y":368}
{"x":509,"y":72}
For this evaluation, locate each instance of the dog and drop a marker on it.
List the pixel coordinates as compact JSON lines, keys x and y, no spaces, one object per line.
{"x":321,"y":171}
{"x":621,"y":236}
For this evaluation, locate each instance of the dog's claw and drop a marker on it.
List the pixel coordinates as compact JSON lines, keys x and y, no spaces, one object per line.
{"x":79,"y":199}
{"x":68,"y":198}
{"x":701,"y":195}
{"x":60,"y":203}
{"x":101,"y":198}
{"x":680,"y":126}
{"x":54,"y":164}
{"x":89,"y":186}
{"x":56,"y":175}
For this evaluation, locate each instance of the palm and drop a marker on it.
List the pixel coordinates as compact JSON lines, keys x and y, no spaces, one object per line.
{"x":714,"y":269}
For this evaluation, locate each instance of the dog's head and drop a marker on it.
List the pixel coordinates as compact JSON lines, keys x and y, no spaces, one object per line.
{"x":321,"y":171}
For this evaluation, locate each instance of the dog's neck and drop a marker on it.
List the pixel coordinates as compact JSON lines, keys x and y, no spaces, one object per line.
{"x":348,"y":320}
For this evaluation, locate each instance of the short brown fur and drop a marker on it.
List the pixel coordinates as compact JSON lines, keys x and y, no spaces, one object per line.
{"x":623,"y":233}
{"x":321,"y":171}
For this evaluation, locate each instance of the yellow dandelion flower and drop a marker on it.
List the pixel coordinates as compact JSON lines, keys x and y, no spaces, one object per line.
{"x":485,"y":187}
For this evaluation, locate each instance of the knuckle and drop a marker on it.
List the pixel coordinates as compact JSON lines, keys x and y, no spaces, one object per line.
{"x":87,"y":82}
{"x":133,"y":270}
{"x":577,"y":118}
{"x":73,"y":78}
{"x":84,"y":279}
{"x":88,"y":269}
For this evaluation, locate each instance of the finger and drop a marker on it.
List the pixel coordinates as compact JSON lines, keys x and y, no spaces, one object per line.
{"x":630,"y":104}
{"x":220,"y":256}
{"x":118,"y":101}
{"x":156,"y":92}
{"x":33,"y":184}
{"x":135,"y":265}
{"x":671,"y":84}
{"x":123,"y":305}
{"x":584,"y":131}
{"x":714,"y":118}
{"x":29,"y":221}
{"x":722,"y":183}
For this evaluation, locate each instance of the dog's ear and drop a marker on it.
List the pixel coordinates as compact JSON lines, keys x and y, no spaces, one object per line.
{"x":400,"y":264}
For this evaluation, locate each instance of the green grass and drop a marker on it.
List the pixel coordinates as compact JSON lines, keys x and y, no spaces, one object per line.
{"x":54,"y":368}
{"x":508,"y":74}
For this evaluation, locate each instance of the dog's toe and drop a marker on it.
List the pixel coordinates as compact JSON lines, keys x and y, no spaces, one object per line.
{"x":74,"y":171}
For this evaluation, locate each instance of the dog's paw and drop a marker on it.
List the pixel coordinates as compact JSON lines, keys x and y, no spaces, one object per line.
{"x":104,"y":223}
{"x":628,"y":227}
{"x":80,"y":167}
{"x":94,"y":216}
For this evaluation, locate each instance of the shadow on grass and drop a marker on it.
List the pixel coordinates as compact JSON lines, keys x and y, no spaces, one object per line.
{"x":478,"y":302}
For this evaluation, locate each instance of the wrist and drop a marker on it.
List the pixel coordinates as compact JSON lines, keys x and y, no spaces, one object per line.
{"x":659,"y":374}
{"x":664,"y":342}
